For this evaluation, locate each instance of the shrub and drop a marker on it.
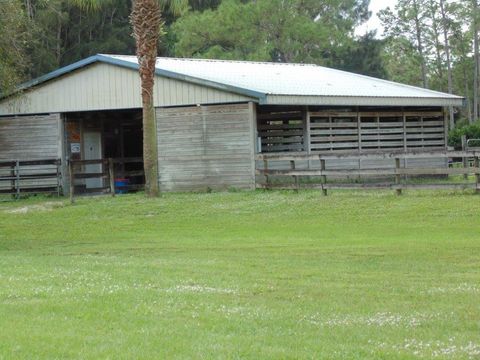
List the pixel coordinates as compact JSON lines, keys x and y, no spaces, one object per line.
{"x":472,"y":131}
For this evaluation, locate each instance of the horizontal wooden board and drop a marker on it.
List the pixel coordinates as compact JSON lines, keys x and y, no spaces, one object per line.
{"x":35,"y":137}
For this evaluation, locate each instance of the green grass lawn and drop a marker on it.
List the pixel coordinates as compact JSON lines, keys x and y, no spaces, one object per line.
{"x":254,"y":275}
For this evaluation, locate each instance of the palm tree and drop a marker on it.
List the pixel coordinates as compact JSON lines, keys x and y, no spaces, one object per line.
{"x":147,"y":23}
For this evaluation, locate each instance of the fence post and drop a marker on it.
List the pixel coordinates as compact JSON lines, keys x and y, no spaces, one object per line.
{"x":398,"y":190}
{"x":265,"y":169}
{"x":295,"y":178}
{"x":71,"y":181}
{"x":464,"y":159}
{"x":323,"y":177}
{"x":477,"y":174}
{"x":17,"y":167}
{"x":111,"y":176}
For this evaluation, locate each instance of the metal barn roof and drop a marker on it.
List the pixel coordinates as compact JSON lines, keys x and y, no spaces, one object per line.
{"x":277,"y":83}
{"x":289,"y":79}
{"x":297,"y":80}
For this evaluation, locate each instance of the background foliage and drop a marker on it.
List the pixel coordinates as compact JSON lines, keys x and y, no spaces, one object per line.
{"x":431,"y":43}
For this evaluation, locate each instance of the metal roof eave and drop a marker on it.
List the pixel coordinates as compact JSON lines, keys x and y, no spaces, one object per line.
{"x":52,"y":75}
{"x":276,"y":99}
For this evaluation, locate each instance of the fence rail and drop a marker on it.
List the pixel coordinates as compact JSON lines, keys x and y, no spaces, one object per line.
{"x":30,"y":177}
{"x":78,"y":170}
{"x":132,"y":169}
{"x":107,"y":172}
{"x":275,"y":172}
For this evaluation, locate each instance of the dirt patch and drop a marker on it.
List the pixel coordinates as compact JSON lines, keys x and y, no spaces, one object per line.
{"x":48,"y":206}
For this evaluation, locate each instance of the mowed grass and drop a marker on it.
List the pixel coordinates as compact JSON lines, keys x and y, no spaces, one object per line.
{"x":244,"y":275}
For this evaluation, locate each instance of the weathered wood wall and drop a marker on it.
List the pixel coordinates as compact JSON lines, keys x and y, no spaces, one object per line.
{"x":317,"y":131}
{"x":294,"y":130}
{"x":205,"y":147}
{"x":31,"y":137}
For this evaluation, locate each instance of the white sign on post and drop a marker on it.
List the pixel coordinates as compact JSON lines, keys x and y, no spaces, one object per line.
{"x":75,"y":148}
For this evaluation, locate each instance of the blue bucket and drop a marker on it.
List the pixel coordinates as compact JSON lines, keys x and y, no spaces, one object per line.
{"x":121,"y":186}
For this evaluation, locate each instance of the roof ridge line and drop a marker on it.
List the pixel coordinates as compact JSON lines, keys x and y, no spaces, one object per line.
{"x":221,"y":60}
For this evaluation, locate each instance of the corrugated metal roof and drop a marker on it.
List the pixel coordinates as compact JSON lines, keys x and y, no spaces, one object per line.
{"x":290,"y":79}
{"x":277,"y":83}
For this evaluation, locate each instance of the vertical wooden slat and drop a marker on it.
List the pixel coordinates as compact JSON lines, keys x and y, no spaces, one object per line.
{"x":17,"y":168}
{"x":359,"y":130}
{"x":306,"y":132}
{"x":422,"y":132}
{"x":379,"y":145}
{"x":330,"y":123}
{"x":12,"y":181}
{"x":307,"y":135}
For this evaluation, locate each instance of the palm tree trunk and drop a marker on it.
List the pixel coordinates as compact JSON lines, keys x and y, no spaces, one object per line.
{"x":146,"y":21}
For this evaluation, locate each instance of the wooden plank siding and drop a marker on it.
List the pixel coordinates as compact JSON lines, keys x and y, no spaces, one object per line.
{"x":31,"y":137}
{"x":108,"y":87}
{"x":205,"y":147}
{"x":295,"y":129}
{"x":292,"y":130}
{"x":26,"y":138}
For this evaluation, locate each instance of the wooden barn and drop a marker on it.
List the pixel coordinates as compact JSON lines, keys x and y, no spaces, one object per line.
{"x":214,"y":117}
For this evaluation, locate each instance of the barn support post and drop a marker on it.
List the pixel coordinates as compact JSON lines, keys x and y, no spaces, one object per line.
{"x":252,"y":112}
{"x":61,"y":151}
{"x":359,"y":133}
{"x":405,"y":145}
{"x":306,"y":134}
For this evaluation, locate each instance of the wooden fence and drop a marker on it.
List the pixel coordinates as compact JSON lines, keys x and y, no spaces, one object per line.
{"x":104,"y":172}
{"x":273,"y":173}
{"x":27,"y":177}
{"x":79,"y":169}
{"x":132,"y":169}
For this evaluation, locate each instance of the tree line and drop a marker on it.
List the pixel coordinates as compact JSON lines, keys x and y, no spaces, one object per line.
{"x":428,"y":43}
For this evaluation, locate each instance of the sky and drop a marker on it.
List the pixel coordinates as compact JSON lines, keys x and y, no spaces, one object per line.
{"x":374,"y":22}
